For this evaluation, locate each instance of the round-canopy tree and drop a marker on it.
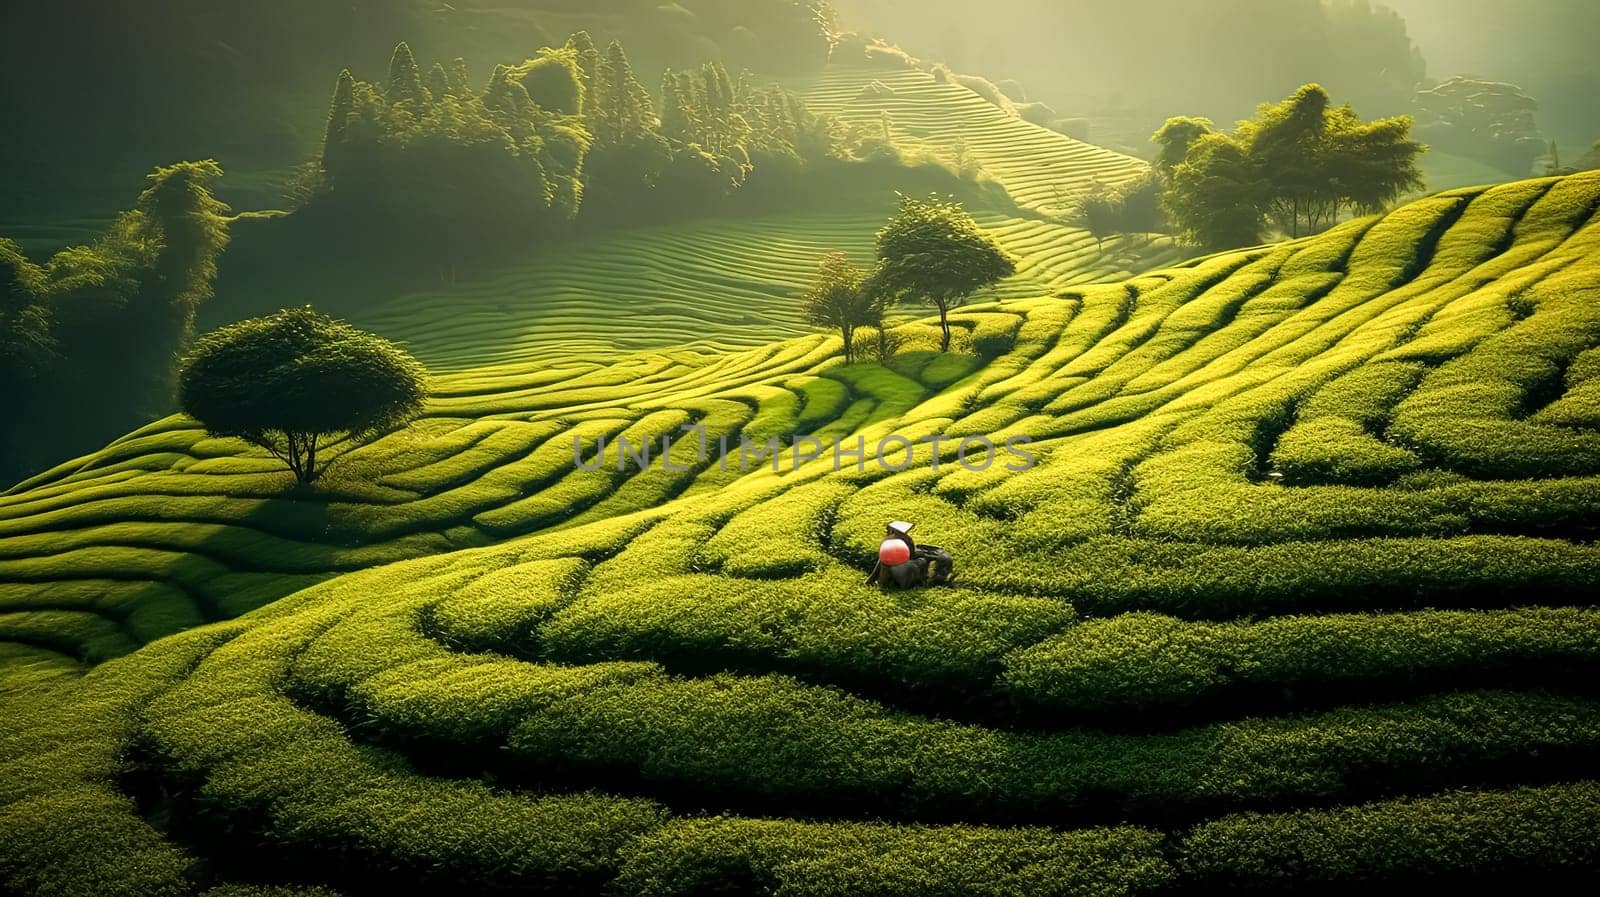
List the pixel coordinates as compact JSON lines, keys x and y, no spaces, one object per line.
{"x":839,"y":298}
{"x":933,"y":250}
{"x":293,"y":379}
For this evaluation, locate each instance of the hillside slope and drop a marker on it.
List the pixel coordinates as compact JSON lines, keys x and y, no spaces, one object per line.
{"x":712,"y":285}
{"x":1300,"y":593}
{"x":733,"y":281}
{"x":1041,"y":169}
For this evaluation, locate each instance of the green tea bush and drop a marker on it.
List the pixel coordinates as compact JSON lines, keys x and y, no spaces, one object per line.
{"x":1333,"y":438}
{"x":1138,"y":660}
{"x":87,"y":840}
{"x":259,"y":762}
{"x":1467,"y":413}
{"x":1104,"y":576}
{"x":824,"y":400}
{"x":1579,"y":407}
{"x":1523,"y":833}
{"x":26,"y":668}
{"x":269,"y":891}
{"x":777,"y":414}
{"x":769,"y":742}
{"x":1339,"y":450}
{"x":86,"y":636}
{"x":831,"y":626}
{"x":64,"y":827}
{"x":816,"y":859}
{"x":502,"y":610}
{"x":577,"y":490}
{"x":781,"y":537}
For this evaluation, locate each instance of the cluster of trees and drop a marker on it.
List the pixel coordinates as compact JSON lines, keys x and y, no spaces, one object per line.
{"x":931,"y":251}
{"x":433,"y":145}
{"x":572,"y":128}
{"x":1132,"y":208}
{"x":1299,"y":164}
{"x":245,"y":70}
{"x":89,"y":340}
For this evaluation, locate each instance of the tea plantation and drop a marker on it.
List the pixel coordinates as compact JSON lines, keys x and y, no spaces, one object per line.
{"x":1299,"y":597}
{"x":715,"y":285}
{"x":1040,"y":169}
{"x":707,"y":286}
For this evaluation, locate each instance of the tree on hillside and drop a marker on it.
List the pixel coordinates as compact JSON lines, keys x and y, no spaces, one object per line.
{"x":1284,"y":145}
{"x":1139,"y":203}
{"x":839,"y":299}
{"x":1317,"y":159}
{"x":1098,"y":212}
{"x":1370,"y":165}
{"x":438,"y":81}
{"x":27,"y":345}
{"x":460,"y":78}
{"x":1589,"y":160}
{"x":1214,"y":197}
{"x":1491,"y":121}
{"x":291,"y":381}
{"x":28,"y":352}
{"x":405,"y":78}
{"x":623,"y":111}
{"x":509,"y":101}
{"x":588,"y":57}
{"x":88,"y":341}
{"x":158,"y":263}
{"x":933,"y":251}
{"x":194,"y":231}
{"x":466,"y":169}
{"x":339,"y":113}
{"x":1175,"y":137}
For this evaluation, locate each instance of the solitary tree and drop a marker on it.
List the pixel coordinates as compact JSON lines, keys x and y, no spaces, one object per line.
{"x":932,"y":250}
{"x":1139,"y":203}
{"x":1099,"y":212}
{"x":177,"y":213}
{"x":405,"y":78}
{"x":840,"y":299}
{"x":438,"y":82}
{"x":293,"y":380}
{"x":194,"y":231}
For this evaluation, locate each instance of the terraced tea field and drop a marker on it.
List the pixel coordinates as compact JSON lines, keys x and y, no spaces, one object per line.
{"x":712,"y":286}
{"x":1041,"y":169}
{"x":1299,"y":597}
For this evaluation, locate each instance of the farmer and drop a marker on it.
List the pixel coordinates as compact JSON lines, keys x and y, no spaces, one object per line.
{"x":904,"y":564}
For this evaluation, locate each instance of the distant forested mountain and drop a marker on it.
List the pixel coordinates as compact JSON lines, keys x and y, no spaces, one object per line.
{"x":125,"y":86}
